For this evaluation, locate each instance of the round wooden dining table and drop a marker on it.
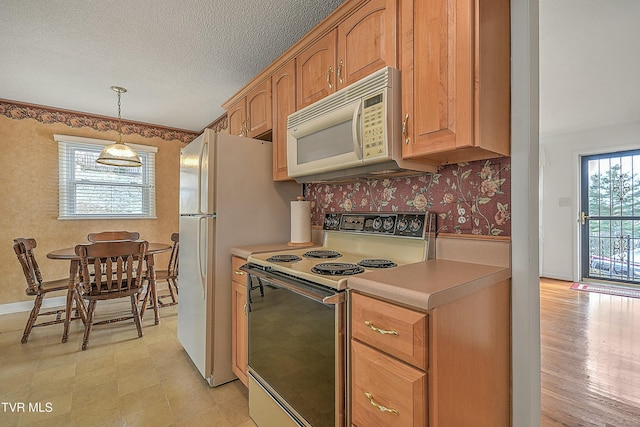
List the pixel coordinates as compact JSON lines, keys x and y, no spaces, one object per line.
{"x":69,"y":254}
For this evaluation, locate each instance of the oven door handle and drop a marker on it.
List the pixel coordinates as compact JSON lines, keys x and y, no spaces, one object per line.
{"x":333,"y":299}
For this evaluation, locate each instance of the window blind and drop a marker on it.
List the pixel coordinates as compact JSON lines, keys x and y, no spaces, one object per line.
{"x":89,"y":190}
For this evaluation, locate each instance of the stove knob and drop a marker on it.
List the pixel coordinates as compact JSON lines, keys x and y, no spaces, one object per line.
{"x":327,"y":221}
{"x":415,"y":224}
{"x":377,"y":223}
{"x":402,"y":224}
{"x":335,"y":221}
{"x":388,"y":223}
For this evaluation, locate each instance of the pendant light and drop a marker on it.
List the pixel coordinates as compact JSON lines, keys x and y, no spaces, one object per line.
{"x":119,"y":154}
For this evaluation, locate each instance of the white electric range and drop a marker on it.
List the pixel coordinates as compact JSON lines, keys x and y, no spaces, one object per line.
{"x":296,"y":309}
{"x":354,"y":243}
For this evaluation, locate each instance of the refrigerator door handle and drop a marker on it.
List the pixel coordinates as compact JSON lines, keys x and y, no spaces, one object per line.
{"x":202,"y":266}
{"x":201,"y":160}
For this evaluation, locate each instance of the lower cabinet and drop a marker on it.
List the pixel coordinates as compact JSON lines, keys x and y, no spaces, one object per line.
{"x":239,"y":353}
{"x":448,"y":366}
{"x":387,"y":392}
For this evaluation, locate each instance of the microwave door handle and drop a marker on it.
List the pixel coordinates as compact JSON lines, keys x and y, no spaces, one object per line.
{"x":355,"y":129}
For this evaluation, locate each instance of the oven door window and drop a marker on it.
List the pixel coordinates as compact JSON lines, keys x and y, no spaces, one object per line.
{"x":292,"y":348}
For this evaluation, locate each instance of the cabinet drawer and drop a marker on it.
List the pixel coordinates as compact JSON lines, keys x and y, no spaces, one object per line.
{"x":385,"y":391}
{"x":399,"y":331}
{"x":236,"y":274}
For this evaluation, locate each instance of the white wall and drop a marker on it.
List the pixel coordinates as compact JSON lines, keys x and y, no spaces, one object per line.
{"x":525,"y":293}
{"x":560,"y":206}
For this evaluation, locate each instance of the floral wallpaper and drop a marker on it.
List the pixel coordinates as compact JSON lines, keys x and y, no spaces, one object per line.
{"x":46,"y":115}
{"x":469,"y":198}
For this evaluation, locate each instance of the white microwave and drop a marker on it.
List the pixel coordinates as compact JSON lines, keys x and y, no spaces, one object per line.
{"x":352,"y":133}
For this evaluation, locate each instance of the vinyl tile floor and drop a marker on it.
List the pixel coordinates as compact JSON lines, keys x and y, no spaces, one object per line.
{"x":120,"y":380}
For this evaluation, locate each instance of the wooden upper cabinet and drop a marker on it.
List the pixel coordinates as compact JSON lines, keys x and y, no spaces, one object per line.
{"x":236,"y":117}
{"x":259,"y":109}
{"x":250,"y":115}
{"x":283,"y":84}
{"x":362,"y":43}
{"x":455,"y":79}
{"x":315,"y":70}
{"x":366,"y":41}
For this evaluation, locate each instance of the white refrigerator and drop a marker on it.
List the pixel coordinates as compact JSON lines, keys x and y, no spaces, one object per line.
{"x":227,"y":198}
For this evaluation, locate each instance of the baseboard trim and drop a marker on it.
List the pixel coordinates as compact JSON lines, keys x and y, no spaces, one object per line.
{"x":558,"y":277}
{"x":17,"y":307}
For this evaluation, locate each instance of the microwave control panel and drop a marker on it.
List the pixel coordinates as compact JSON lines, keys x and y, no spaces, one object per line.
{"x":373,"y":127}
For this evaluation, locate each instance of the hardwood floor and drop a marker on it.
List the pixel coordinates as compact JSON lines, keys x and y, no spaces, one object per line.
{"x":590,"y":349}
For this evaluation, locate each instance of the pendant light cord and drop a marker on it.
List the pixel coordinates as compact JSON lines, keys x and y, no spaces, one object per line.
{"x":119,"y":120}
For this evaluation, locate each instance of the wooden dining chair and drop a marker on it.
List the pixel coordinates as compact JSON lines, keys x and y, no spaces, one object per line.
{"x":115,"y":270}
{"x":170,"y":275}
{"x":37,"y":287}
{"x":107,"y":236}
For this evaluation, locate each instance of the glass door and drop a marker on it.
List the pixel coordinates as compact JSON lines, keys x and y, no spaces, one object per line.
{"x":610,"y":217}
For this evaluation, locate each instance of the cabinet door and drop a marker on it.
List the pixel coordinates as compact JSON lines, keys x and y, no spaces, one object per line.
{"x":366,"y":41}
{"x":455,"y":79}
{"x":236,"y":116}
{"x":239,"y":355}
{"x":258,"y":101}
{"x":284,"y":103}
{"x":437,"y":65}
{"x":315,"y":70}
{"x":385,"y":391}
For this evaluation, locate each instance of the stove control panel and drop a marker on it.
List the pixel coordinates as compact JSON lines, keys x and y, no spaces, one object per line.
{"x":392,"y":224}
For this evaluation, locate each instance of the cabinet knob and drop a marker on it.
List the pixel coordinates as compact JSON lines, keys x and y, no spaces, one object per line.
{"x":238,"y":273}
{"x":339,"y":72}
{"x":329,"y":78}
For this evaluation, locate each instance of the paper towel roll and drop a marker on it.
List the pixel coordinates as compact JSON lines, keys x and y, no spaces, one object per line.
{"x":300,"y":221}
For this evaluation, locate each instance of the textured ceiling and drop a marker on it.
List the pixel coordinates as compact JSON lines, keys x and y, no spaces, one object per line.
{"x":179,"y":60}
{"x":589,"y":64}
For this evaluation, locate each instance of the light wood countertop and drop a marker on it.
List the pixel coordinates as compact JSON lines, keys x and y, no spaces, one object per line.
{"x":245,"y":251}
{"x":428,"y":284}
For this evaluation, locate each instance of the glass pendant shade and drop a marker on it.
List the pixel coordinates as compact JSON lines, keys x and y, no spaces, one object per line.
{"x":119,"y":154}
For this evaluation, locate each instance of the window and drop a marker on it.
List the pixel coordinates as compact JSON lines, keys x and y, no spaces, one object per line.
{"x":89,"y":190}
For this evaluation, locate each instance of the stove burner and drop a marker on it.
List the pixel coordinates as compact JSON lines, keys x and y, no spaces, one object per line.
{"x":284,"y":258}
{"x":322,"y":254}
{"x":337,"y":269}
{"x":377,"y":263}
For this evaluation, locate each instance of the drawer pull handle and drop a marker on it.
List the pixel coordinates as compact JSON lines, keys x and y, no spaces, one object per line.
{"x":379,"y":406}
{"x":380,"y":331}
{"x":239,"y":273}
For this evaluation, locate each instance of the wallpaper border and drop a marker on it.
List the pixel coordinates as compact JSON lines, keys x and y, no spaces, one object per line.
{"x":48,"y":115}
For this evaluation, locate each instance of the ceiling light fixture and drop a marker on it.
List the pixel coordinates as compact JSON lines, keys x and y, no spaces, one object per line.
{"x":119,"y":154}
